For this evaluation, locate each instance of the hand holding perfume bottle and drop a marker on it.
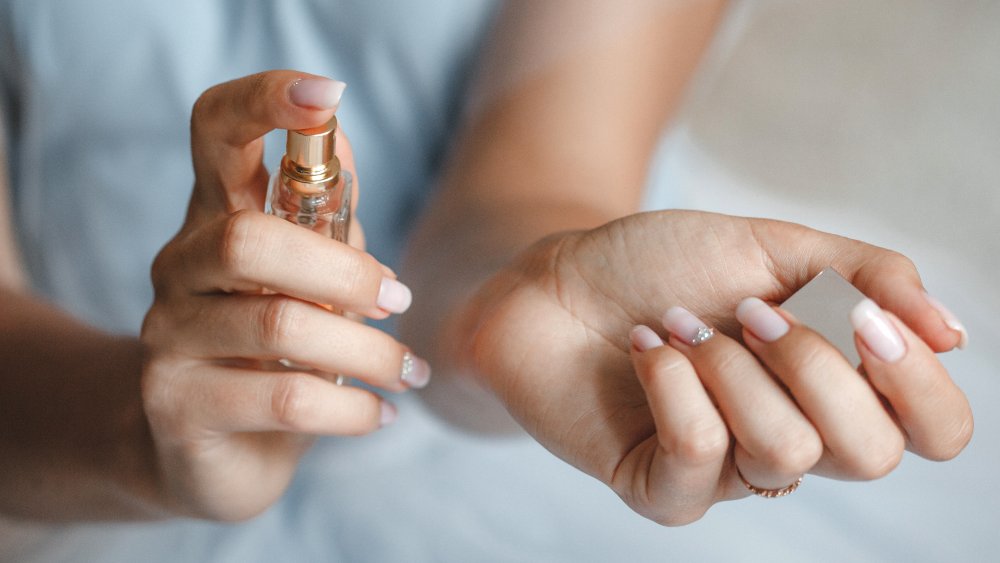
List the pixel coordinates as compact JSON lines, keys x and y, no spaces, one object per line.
{"x":238,"y":289}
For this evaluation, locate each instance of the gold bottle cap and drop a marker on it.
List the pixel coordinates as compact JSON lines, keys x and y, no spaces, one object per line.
{"x":309,"y":156}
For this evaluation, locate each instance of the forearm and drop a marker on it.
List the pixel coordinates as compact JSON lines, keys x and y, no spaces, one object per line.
{"x":75,"y":444}
{"x":560,"y":138}
{"x":508,"y":186}
{"x":444,"y":277}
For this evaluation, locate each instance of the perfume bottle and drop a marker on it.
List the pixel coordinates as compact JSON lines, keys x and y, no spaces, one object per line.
{"x":309,"y":188}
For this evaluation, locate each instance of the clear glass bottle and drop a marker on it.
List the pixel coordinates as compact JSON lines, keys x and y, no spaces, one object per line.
{"x":310,"y":188}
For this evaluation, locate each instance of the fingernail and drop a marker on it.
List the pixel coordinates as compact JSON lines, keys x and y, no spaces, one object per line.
{"x":643,"y":338}
{"x":951,"y":320}
{"x":318,"y":93}
{"x":393,"y":296}
{"x":877,"y":332}
{"x":415,"y":372}
{"x":761,"y":319}
{"x":687,"y":327}
{"x":387,"y":413}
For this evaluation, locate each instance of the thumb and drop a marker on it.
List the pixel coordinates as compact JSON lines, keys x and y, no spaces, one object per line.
{"x":228,"y":123}
{"x":888,"y":277}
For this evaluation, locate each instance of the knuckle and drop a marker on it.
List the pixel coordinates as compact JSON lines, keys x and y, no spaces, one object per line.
{"x":813,"y":354}
{"x":729,"y":360}
{"x":160,"y":271}
{"x":257,"y":87}
{"x":240,"y":243}
{"x":279,"y":323}
{"x":794,"y":453}
{"x":203,"y":107}
{"x":701,"y":443}
{"x":805,"y":359}
{"x":900,"y":261}
{"x":664,"y":362}
{"x":158,"y":388}
{"x":155,"y":325}
{"x":355,"y":279}
{"x":169,"y":267}
{"x":878,"y":462}
{"x":151,"y":390}
{"x":882,"y":261}
{"x":290,"y":400}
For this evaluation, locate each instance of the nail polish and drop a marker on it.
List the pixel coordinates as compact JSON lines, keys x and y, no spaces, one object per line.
{"x":761,"y":320}
{"x":393,"y":296}
{"x":387,"y":413}
{"x":415,"y":372}
{"x":877,"y":331}
{"x":951,"y":320}
{"x":643,"y":338}
{"x":309,"y":188}
{"x":687,"y":327}
{"x":317,"y":93}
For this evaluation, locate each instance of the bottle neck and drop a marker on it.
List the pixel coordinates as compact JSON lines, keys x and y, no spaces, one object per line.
{"x":310,"y":180}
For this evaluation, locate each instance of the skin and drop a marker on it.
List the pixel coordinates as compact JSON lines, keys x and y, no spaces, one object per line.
{"x":568,"y":373}
{"x":198,"y":424}
{"x":547,"y":334}
{"x":548,"y":271}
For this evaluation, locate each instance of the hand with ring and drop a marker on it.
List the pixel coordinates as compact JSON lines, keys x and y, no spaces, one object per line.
{"x":733,"y":419}
{"x":667,"y":426}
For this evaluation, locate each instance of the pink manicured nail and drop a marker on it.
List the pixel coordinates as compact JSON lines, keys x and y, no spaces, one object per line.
{"x":877,"y":332}
{"x":393,"y":296}
{"x":761,"y":319}
{"x":387,"y":413}
{"x":415,"y":372}
{"x":951,"y":320}
{"x":318,"y":93}
{"x":643,"y":338}
{"x":687,"y":327}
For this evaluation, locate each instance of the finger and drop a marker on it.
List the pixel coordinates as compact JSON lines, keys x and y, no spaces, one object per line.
{"x":932,"y":410}
{"x":249,"y":251}
{"x":776,"y":443}
{"x":798,"y":254}
{"x":862,"y":439}
{"x":892,"y":279}
{"x":691,"y":438}
{"x":232,"y":400}
{"x":228,"y":121}
{"x":269,"y":327}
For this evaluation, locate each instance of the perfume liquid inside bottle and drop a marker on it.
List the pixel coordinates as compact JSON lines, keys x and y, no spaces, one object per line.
{"x":310,"y":189}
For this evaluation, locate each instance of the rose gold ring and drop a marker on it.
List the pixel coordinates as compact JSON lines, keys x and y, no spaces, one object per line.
{"x":769,"y":493}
